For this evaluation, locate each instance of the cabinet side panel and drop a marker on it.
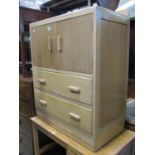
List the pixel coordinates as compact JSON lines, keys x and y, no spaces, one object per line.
{"x":111,"y":79}
{"x":113,"y":63}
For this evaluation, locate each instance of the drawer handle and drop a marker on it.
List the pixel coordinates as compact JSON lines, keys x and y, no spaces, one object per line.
{"x":49,"y":44}
{"x":43,"y":103}
{"x":74,"y":116}
{"x":74,"y":89}
{"x":42,"y":81}
{"x":59,"y":43}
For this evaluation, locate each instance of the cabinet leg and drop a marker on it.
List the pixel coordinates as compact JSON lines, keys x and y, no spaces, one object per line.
{"x":35,"y":140}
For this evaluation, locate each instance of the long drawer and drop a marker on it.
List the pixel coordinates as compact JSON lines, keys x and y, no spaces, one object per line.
{"x":50,"y":106}
{"x":25,"y":144}
{"x":73,"y":87}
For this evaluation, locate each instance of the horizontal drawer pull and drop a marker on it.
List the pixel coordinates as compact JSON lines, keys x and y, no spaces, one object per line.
{"x":42,"y":81}
{"x":74,"y":116}
{"x":43,"y":103}
{"x":74,"y":89}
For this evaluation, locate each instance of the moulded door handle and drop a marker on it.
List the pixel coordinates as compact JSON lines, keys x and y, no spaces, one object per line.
{"x":49,"y":44}
{"x":59,"y":43}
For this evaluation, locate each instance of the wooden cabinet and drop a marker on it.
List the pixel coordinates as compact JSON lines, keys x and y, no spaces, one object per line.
{"x":80,"y":70}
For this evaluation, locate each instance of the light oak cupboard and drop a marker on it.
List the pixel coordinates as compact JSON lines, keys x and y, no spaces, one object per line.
{"x":80,"y":70}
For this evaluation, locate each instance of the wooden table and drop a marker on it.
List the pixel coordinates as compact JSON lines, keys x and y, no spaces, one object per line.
{"x":123,"y":144}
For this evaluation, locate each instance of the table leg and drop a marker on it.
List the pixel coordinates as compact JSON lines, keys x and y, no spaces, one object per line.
{"x":35,"y":140}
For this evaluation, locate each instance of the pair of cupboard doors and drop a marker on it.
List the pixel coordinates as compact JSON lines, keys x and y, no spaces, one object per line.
{"x":64,"y":45}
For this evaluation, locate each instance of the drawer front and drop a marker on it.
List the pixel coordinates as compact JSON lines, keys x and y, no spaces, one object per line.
{"x":76,"y":115}
{"x":25,"y":125}
{"x":25,"y":144}
{"x":73,"y":87}
{"x":26,"y":108}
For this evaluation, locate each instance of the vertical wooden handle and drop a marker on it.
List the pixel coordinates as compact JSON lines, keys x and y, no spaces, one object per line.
{"x":59,"y":43}
{"x":49,"y":44}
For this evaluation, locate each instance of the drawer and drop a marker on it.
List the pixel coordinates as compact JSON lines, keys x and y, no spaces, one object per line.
{"x":26,"y":107}
{"x":25,"y":125}
{"x":73,"y":87}
{"x":25,"y":144}
{"x":50,"y":106}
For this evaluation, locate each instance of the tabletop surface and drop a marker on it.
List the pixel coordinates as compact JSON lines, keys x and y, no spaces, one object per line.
{"x":113,"y":147}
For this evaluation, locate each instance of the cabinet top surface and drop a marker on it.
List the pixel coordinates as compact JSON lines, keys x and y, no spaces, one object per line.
{"x":79,"y":12}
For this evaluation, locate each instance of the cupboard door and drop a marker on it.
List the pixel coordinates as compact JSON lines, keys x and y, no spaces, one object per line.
{"x":43,"y":45}
{"x":75,"y":44}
